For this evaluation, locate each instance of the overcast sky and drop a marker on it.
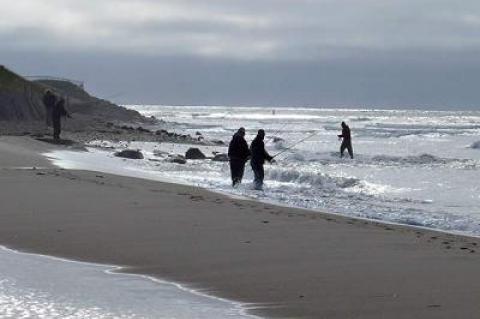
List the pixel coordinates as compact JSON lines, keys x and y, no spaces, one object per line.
{"x":374,"y":53}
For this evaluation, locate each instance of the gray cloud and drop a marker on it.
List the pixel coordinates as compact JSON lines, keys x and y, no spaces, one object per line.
{"x":264,"y":29}
{"x":403,"y":53}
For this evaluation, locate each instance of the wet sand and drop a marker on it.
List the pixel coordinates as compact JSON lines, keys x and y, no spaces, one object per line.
{"x":293,"y":263}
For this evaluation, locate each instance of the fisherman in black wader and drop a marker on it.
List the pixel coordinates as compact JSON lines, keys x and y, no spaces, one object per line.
{"x":57,"y":113}
{"x":49,"y":100}
{"x":346,"y":140}
{"x":259,"y":155}
{"x":238,"y":154}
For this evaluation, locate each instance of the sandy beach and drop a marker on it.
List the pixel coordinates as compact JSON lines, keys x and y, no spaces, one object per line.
{"x":292,"y":263}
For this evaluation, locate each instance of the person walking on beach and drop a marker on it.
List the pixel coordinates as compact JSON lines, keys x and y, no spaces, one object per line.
{"x":238,"y":154}
{"x":57,"y":113}
{"x":49,"y":100}
{"x":346,"y":140}
{"x":259,"y":155}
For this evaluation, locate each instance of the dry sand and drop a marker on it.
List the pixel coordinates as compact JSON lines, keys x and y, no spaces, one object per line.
{"x":293,"y":263}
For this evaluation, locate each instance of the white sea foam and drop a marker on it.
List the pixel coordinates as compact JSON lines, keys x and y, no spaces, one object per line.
{"x":35,"y":286}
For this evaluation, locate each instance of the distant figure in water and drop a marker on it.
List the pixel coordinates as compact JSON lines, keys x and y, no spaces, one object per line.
{"x":259,"y":155}
{"x":238,"y":154}
{"x":346,"y":140}
{"x":57,"y":113}
{"x":49,"y":100}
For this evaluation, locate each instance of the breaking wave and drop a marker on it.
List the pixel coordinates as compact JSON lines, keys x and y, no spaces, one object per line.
{"x":425,"y":159}
{"x":290,"y":175}
{"x":421,"y":159}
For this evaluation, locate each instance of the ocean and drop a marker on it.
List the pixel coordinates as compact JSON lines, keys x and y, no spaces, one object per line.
{"x":412,"y":167}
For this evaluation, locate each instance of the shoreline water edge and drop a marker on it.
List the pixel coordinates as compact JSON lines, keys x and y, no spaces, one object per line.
{"x":35,"y":285}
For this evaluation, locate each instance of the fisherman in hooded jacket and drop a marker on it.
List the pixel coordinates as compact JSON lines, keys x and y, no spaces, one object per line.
{"x":259,"y":155}
{"x":346,"y":140}
{"x":58,"y":112}
{"x":49,"y":100}
{"x":238,"y":154}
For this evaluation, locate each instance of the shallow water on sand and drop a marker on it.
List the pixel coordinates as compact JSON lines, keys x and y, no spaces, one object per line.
{"x":35,"y":286}
{"x":411,"y":167}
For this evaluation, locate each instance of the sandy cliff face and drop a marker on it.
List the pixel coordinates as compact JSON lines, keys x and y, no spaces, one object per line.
{"x":20,"y":99}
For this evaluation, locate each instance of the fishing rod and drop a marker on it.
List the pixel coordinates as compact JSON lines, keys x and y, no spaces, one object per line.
{"x":295,"y":144}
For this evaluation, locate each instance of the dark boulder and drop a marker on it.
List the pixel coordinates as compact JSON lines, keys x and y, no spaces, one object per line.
{"x":194,"y":153}
{"x":220,"y":158}
{"x":131,"y":154}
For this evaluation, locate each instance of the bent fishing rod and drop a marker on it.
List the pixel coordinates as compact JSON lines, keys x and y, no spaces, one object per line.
{"x":295,"y":144}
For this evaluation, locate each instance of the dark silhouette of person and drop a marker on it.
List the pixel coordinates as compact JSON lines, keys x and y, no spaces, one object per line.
{"x":49,"y":100}
{"x":238,"y":154}
{"x":346,"y":140}
{"x":57,"y":113}
{"x":259,"y":155}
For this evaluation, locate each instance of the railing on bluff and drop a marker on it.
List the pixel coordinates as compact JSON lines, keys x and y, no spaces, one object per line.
{"x":80,"y":84}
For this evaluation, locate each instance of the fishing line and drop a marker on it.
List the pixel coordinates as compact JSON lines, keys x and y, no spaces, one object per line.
{"x":296,"y":143}
{"x":273,"y":135}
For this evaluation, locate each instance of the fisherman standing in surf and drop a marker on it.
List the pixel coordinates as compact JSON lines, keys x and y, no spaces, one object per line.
{"x":259,"y":155}
{"x":238,"y":154}
{"x":346,"y":140}
{"x":49,"y":100}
